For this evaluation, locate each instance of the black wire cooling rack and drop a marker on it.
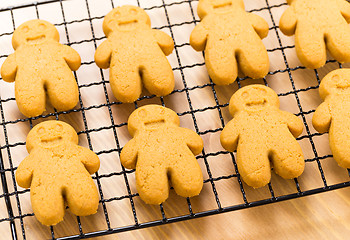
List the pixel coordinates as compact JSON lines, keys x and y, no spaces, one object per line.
{"x":299,"y":91}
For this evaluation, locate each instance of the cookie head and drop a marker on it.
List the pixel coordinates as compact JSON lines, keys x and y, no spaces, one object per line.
{"x":126,"y":18}
{"x":34,"y":31}
{"x":253,"y":98}
{"x":50,"y":134}
{"x":151,"y":117}
{"x":217,"y":6}
{"x":335,"y":82}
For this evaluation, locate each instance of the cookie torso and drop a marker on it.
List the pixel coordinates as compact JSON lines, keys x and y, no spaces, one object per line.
{"x":134,"y":47}
{"x":58,"y":167}
{"x":158,"y":150}
{"x":322,"y":14}
{"x":231,"y":29}
{"x":339,"y":106}
{"x":42,"y":55}
{"x":40,"y":60}
{"x":263,"y":129}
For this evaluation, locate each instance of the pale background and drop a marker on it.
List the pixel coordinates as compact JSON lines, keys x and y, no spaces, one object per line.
{"x":322,"y":216}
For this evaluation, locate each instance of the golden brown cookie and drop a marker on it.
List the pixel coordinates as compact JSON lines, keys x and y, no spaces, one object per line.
{"x":161,"y":151}
{"x":135,"y":54}
{"x":231,"y":38}
{"x":57,"y":171}
{"x":41,"y":64}
{"x":318,"y":25}
{"x":333,"y":114}
{"x":262,"y":133}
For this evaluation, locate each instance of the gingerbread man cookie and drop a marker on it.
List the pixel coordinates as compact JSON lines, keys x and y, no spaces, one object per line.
{"x":333,"y":114}
{"x":57,"y":171}
{"x":40,"y":63}
{"x":135,"y":54}
{"x":261,"y":133}
{"x":231,"y":38}
{"x":318,"y":25}
{"x":161,"y":151}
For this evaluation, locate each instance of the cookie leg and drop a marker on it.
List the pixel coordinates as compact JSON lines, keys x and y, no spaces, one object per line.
{"x":187,"y":178}
{"x":62,"y":89}
{"x":157,"y":75}
{"x":82,"y":196}
{"x":253,"y":60}
{"x":152,"y":184}
{"x":221,"y":62}
{"x":287,"y":158}
{"x":47,"y":204}
{"x":338,"y":42}
{"x":30,"y":94}
{"x":125,"y":80}
{"x":253,"y":165}
{"x":311,"y":48}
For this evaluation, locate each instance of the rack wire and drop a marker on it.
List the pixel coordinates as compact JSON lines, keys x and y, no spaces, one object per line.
{"x":110,"y":127}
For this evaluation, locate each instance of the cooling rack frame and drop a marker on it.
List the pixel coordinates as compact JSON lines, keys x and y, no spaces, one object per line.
{"x":109,"y":104}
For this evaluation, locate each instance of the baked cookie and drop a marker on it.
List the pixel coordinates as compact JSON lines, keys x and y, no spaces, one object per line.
{"x":40,"y":63}
{"x":261,"y":133}
{"x":135,"y":54}
{"x":318,"y":25}
{"x":57,"y":171}
{"x":231,"y":38}
{"x":161,"y":151}
{"x":333,"y":114}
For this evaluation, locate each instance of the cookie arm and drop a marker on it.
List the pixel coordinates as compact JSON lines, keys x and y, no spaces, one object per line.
{"x":288,"y":22}
{"x":9,"y":68}
{"x":198,"y":38}
{"x":295,"y":125}
{"x":128,"y":156}
{"x":229,"y":136}
{"x":164,"y":41}
{"x":103,"y":55}
{"x":72,"y":57}
{"x":259,"y":24}
{"x":24,"y":172}
{"x":193,"y":141}
{"x":345,"y":9}
{"x":89,"y":159}
{"x":322,"y":118}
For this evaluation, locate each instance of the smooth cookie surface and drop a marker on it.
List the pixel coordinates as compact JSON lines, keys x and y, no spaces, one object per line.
{"x":135,"y":54}
{"x":231,"y":39}
{"x":41,"y":65}
{"x":333,"y":115}
{"x":262,"y":133}
{"x":160,"y":151}
{"x":57,"y":171}
{"x":318,"y":25}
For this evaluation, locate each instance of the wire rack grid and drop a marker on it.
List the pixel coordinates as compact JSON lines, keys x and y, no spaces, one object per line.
{"x":101,"y":122}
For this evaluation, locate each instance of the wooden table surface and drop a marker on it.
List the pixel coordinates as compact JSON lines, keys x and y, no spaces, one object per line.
{"x":324,"y":216}
{"x":321,"y":216}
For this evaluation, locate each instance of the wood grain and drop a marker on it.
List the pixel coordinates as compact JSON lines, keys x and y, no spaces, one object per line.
{"x":322,"y":216}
